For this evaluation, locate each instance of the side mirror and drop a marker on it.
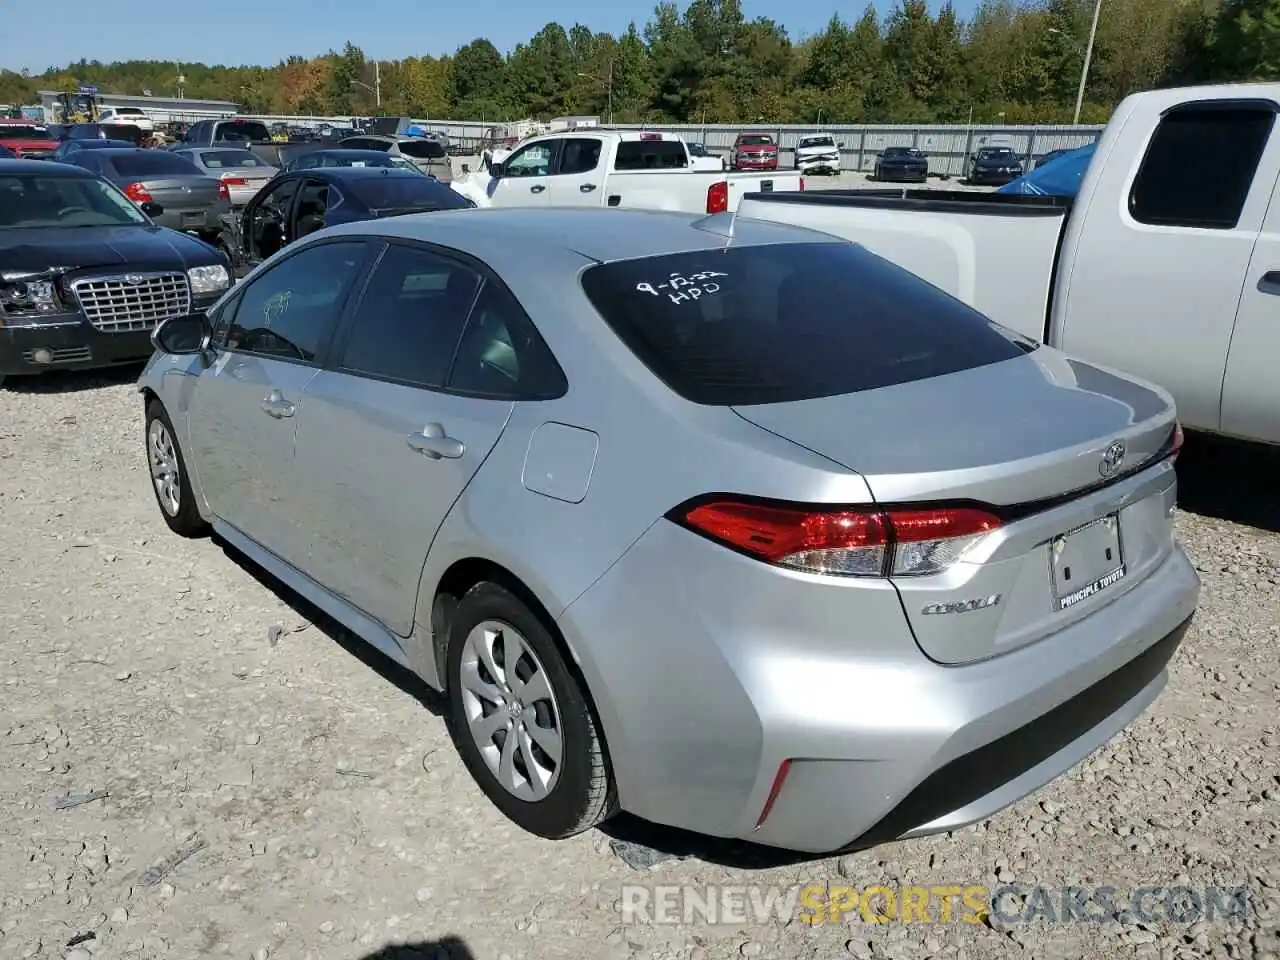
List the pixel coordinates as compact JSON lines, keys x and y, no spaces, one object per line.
{"x":183,"y":336}
{"x":152,"y":209}
{"x":496,"y":171}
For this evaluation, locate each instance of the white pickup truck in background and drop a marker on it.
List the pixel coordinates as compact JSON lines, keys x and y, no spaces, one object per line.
{"x":631,"y":168}
{"x":1166,"y":264}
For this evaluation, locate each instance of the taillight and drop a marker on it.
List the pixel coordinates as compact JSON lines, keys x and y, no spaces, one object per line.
{"x":223,"y":192}
{"x":718,"y":197}
{"x":1178,"y":439}
{"x":137,"y":193}
{"x":233,"y":181}
{"x":802,"y":184}
{"x":841,"y":541}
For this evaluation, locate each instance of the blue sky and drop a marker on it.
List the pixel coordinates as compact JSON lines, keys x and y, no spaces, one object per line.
{"x":269,"y":30}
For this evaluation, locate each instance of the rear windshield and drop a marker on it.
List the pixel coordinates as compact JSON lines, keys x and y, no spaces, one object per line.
{"x":422,"y":149}
{"x":244,"y":131}
{"x":216,"y":159}
{"x":153,"y":163}
{"x":786,"y":322}
{"x":397,"y":192}
{"x":18,"y":131}
{"x":651,"y":155}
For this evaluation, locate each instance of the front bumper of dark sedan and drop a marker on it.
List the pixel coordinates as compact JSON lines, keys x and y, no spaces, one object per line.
{"x":994,"y":175}
{"x":902,"y":173}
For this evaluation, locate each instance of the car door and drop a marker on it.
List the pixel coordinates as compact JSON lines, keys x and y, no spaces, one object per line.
{"x":526,"y":176}
{"x":578,"y":174}
{"x":1250,"y":387}
{"x":309,"y":209}
{"x":266,"y":223}
{"x":243,"y":416}
{"x":385,"y":449}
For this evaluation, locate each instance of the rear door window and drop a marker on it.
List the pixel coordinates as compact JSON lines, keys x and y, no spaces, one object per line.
{"x":422,"y":149}
{"x":1199,"y":166}
{"x":651,"y":155}
{"x":786,"y":322}
{"x":579,"y":156}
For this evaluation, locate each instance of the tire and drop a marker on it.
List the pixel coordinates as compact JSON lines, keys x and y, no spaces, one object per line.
{"x":553,"y":803}
{"x":173,"y":493}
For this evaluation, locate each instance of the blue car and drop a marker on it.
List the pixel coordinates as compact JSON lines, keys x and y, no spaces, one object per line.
{"x":1059,"y":177}
{"x":299,"y":202}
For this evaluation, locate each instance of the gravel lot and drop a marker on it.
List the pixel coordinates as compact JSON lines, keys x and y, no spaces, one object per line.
{"x":272,"y":790}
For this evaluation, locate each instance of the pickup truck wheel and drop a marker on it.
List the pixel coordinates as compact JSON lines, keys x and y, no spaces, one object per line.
{"x":169,"y":475}
{"x":521,"y":720}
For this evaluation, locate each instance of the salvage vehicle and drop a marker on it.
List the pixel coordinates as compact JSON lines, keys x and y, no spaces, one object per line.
{"x":901,"y":164}
{"x":871,"y":603}
{"x":1151,"y":268}
{"x":298,"y":203}
{"x":191,"y":200}
{"x":86,"y":274}
{"x":242,"y":172}
{"x":620,"y":168}
{"x":127,"y":115}
{"x":992,"y":166}
{"x":427,"y":154}
{"x":817,"y":153}
{"x":67,"y":148}
{"x":26,"y":139}
{"x":703,"y":159}
{"x":754,"y":151}
{"x":106,"y":131}
{"x":335,"y":157}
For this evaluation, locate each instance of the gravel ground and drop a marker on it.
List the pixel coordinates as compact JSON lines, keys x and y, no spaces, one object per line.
{"x":194,"y":767}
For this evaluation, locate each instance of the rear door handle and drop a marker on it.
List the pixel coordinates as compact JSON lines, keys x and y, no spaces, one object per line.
{"x":587,"y":187}
{"x":275,"y":405}
{"x":1270,"y":283}
{"x":537,"y":188}
{"x":434,"y":444}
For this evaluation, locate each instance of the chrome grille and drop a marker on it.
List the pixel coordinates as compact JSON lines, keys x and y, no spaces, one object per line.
{"x":132,"y":302}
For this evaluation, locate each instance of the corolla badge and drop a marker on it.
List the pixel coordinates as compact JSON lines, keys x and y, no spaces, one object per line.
{"x":1112,"y":458}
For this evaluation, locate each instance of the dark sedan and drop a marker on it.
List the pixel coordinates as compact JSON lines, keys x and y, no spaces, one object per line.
{"x":902,"y":164}
{"x":86,"y":274}
{"x":106,"y":131}
{"x":68,"y":148}
{"x":301,"y":202}
{"x":993,"y":165}
{"x":349,"y":157}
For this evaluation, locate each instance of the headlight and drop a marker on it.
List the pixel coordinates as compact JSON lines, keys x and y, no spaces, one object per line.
{"x":208,"y":279}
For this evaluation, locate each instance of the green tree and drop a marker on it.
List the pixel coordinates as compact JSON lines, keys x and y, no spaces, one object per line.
{"x":478,"y":83}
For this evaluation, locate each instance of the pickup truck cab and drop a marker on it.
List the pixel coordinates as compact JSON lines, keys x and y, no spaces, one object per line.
{"x":627,"y":168}
{"x":1165,"y":264}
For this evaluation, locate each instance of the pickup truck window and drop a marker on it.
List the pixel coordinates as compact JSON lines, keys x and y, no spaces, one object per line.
{"x":778,"y":323}
{"x":651,"y":155}
{"x":579,"y":156}
{"x":531,"y":161}
{"x":1171,"y":188}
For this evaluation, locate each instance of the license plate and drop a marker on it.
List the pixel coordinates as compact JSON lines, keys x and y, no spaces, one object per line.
{"x":1086,"y":561}
{"x":192,"y":219}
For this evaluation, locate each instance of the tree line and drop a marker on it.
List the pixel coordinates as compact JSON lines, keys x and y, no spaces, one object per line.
{"x":1016,"y":61}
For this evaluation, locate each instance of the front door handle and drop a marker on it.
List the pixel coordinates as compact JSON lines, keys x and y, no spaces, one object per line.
{"x":537,"y":188}
{"x":587,"y":187}
{"x":433,"y":443}
{"x":275,"y":405}
{"x":1270,"y":283}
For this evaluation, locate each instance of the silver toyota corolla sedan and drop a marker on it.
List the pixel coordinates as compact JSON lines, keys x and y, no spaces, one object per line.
{"x":746,"y":531}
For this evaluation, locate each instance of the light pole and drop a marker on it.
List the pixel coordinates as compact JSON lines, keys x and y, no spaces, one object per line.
{"x":1088,"y":58}
{"x":608,"y":85}
{"x":376,"y":89}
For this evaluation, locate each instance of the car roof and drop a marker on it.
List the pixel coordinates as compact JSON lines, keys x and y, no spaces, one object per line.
{"x":362,"y":173}
{"x":500,"y":233}
{"x":48,"y":167}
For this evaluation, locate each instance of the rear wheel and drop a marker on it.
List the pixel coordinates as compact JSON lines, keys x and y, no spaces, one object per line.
{"x":521,"y":720}
{"x":169,"y":475}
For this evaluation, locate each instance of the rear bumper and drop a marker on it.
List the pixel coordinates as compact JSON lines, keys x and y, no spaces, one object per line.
{"x":740,"y":667}
{"x":202,"y":219}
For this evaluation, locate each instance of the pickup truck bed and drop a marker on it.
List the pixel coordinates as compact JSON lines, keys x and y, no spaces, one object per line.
{"x":996,"y":252}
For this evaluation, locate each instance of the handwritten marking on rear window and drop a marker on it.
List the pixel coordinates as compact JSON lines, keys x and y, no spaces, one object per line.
{"x":680,"y":288}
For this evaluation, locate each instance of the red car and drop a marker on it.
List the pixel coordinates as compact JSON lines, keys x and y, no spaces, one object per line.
{"x":754,"y":151}
{"x":26,"y":139}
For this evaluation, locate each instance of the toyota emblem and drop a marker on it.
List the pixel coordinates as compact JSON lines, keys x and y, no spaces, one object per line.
{"x":1112,"y":458}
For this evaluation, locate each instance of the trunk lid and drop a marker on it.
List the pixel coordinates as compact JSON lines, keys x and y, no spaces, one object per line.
{"x":182,"y":192}
{"x":1036,"y":438}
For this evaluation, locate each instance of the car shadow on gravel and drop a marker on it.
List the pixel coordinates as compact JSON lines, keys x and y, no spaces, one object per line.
{"x":391,"y":671}
{"x":447,"y":948}
{"x":73,"y":381}
{"x":1230,"y":480}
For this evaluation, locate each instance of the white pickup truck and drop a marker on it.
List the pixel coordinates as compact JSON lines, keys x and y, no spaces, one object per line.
{"x":629,"y":168}
{"x":1166,"y":264}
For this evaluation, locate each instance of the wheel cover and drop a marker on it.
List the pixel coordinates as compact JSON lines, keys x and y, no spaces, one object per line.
{"x":165,"y":472}
{"x":511,"y":710}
